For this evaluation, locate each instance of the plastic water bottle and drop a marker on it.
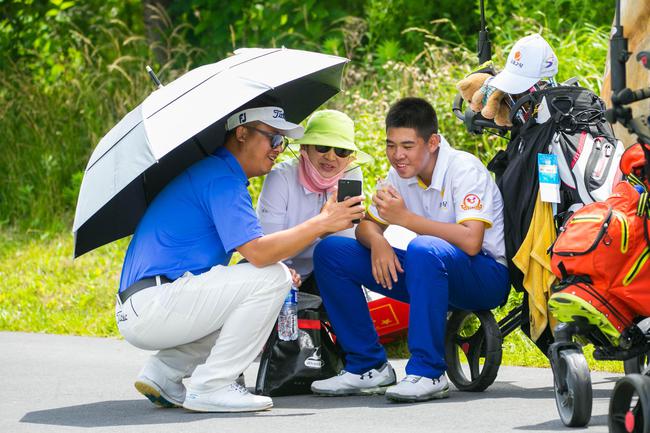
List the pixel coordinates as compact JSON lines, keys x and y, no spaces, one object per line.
{"x":288,"y":319}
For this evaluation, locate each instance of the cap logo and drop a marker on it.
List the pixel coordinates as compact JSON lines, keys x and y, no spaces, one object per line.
{"x":516,"y":59}
{"x":549,"y":61}
{"x":273,"y":116}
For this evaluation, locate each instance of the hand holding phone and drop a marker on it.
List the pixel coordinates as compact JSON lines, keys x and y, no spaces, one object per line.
{"x":349,"y":188}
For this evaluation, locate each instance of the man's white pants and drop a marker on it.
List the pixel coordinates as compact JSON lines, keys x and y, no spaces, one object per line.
{"x":209,"y":327}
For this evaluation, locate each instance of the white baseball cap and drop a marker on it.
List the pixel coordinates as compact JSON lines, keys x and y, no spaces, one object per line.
{"x":530,"y":60}
{"x":272,"y":116}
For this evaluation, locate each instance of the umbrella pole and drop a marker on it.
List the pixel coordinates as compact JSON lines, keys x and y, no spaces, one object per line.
{"x":153,"y":77}
{"x":484,"y":44}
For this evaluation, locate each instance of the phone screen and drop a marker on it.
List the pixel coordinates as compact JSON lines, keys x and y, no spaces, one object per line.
{"x":349,"y":188}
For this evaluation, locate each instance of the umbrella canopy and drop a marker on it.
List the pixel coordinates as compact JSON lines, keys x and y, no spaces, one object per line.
{"x":181,"y":123}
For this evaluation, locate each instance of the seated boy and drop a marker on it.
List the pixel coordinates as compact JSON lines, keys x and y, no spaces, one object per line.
{"x":457,"y":260}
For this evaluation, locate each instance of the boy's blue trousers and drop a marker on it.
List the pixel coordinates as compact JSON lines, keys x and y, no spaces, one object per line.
{"x":437,"y":277}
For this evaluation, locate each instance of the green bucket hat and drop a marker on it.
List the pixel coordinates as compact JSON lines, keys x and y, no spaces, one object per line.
{"x":331,"y":128}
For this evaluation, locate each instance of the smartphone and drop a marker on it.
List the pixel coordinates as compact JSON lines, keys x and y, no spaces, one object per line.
{"x":348,"y":188}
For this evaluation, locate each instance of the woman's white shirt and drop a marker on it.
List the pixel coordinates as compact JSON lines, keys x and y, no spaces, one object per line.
{"x":285,"y":203}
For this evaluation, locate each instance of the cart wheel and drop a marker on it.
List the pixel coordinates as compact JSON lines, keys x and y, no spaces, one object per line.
{"x":629,"y":408}
{"x":636,"y":365}
{"x":572,"y":384}
{"x":472,"y":349}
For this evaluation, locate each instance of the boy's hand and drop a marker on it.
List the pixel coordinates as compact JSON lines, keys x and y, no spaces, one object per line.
{"x":390,"y":205}
{"x":385,"y":264}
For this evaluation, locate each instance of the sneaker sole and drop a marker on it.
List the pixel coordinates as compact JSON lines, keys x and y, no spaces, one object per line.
{"x":412,"y":398}
{"x":223,"y":409}
{"x":154,"y":395}
{"x":378,"y":390}
{"x":565,"y":307}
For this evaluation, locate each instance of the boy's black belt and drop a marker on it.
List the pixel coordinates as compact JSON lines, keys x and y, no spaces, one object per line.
{"x":142,"y":284}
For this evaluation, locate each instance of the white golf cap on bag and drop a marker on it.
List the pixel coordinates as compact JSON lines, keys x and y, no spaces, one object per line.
{"x":530,"y":60}
{"x":272,"y":116}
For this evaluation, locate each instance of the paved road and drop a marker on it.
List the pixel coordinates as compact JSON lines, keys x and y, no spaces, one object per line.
{"x":51,"y":383}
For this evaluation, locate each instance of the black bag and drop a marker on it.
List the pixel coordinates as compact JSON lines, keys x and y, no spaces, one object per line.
{"x":289,"y":367}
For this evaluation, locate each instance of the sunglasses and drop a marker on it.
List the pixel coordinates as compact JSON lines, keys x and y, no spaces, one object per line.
{"x":341,"y":153}
{"x":276,"y":140}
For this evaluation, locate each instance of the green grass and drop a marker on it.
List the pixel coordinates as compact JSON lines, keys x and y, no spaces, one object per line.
{"x":44,"y":290}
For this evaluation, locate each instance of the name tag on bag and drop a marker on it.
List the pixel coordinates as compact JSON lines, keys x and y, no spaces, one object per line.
{"x":549,"y":177}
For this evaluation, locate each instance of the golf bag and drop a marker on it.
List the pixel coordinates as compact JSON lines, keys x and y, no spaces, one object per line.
{"x":601,"y":253}
{"x":602,"y":250}
{"x":576,"y":131}
{"x":569,"y":122}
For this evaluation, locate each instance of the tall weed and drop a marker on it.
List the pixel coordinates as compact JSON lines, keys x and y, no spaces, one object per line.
{"x":50,"y":129}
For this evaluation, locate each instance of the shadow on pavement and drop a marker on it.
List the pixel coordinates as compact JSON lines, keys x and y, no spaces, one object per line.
{"x":557,"y":425}
{"x":141,"y":412}
{"x":507,"y":390}
{"x":499,"y":390}
{"x":129,"y":412}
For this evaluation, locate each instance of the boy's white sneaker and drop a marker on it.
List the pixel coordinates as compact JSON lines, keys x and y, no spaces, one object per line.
{"x":419,"y":388}
{"x":230,"y":398}
{"x":374,"y":381}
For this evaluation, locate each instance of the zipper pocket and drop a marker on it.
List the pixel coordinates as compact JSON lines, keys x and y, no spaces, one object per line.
{"x":625,"y":236}
{"x":636,"y":267}
{"x":588,"y":219}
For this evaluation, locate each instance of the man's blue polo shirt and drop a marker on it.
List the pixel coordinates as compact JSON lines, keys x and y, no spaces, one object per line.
{"x":194,"y":223}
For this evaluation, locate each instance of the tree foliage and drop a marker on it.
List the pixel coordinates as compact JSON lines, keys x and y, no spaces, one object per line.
{"x":70,"y":69}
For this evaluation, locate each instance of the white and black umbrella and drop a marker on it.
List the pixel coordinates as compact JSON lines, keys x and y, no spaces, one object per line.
{"x":182,"y":122}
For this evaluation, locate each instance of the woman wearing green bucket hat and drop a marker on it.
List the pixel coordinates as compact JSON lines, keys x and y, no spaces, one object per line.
{"x":296,"y":190}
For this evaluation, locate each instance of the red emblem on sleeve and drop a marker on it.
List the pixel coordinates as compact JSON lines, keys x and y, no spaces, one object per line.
{"x":471,"y":201}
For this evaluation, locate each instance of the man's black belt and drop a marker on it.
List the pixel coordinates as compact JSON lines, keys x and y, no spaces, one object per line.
{"x":142,"y":284}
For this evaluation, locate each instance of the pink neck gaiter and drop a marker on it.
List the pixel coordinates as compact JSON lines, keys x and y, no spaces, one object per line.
{"x":310,"y":178}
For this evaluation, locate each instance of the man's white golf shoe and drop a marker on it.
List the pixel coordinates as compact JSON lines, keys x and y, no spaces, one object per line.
{"x":159,"y":389}
{"x":230,"y":398}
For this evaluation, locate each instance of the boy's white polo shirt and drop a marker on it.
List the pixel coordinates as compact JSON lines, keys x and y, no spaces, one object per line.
{"x":285,"y":203}
{"x":461,"y":189}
